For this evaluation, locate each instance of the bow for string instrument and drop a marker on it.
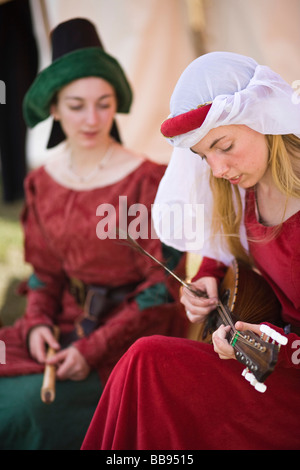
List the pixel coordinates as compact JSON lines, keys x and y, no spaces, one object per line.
{"x":243,"y":295}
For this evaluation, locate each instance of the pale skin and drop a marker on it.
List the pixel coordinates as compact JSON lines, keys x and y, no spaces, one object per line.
{"x":70,"y":362}
{"x":86,"y":109}
{"x":240,"y":155}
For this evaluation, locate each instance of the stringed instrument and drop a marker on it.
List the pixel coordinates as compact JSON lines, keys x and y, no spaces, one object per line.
{"x":243,"y":295}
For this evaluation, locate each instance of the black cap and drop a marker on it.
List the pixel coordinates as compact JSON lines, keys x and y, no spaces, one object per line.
{"x":74,"y":34}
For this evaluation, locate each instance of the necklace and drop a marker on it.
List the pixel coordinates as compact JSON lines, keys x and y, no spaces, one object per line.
{"x":93,"y":173}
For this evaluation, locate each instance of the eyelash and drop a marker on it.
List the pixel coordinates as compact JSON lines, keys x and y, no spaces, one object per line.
{"x":78,"y":108}
{"x":203,"y":157}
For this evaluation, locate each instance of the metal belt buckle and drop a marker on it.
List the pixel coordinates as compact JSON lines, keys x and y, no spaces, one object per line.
{"x":77,"y":289}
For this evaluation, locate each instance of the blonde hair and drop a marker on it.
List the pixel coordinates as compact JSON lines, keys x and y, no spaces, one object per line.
{"x":284,"y":161}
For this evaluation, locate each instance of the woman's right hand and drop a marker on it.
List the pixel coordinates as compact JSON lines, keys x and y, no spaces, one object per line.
{"x":40,"y":338}
{"x":197,"y":308}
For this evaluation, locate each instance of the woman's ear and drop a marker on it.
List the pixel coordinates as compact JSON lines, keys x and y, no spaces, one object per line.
{"x":54,"y":112}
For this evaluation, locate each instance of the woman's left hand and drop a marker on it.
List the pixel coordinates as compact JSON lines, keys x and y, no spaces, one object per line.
{"x":220,"y":343}
{"x":70,"y":364}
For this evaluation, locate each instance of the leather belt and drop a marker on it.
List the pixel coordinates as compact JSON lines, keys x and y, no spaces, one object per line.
{"x":83,"y":293}
{"x":97,"y":303}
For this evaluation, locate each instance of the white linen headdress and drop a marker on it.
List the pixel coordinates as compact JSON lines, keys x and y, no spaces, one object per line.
{"x":241,"y":92}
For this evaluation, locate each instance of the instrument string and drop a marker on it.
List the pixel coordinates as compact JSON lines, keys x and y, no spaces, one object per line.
{"x":226,"y":318}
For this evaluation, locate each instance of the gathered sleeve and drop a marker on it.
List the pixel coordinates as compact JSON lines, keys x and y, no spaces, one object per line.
{"x":46,"y":284}
{"x":211,"y":268}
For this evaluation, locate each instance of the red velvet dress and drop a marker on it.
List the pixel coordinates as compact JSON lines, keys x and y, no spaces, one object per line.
{"x":61,"y":242}
{"x":176,"y":394}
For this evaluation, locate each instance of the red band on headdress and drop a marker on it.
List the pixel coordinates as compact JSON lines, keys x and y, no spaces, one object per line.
{"x":185,"y":122}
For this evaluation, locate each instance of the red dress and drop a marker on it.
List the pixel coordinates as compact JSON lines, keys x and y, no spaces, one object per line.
{"x":61,"y":242}
{"x":176,"y":394}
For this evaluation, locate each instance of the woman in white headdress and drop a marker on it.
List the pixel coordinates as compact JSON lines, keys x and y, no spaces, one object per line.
{"x":243,"y":120}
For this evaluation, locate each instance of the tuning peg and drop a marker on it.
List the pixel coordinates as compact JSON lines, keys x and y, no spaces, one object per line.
{"x":266,"y":330}
{"x":282,"y":340}
{"x":260,"y":387}
{"x":249,"y":377}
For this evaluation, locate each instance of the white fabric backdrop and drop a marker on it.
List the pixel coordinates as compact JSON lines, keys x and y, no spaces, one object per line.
{"x":266,"y":30}
{"x":152,"y":41}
